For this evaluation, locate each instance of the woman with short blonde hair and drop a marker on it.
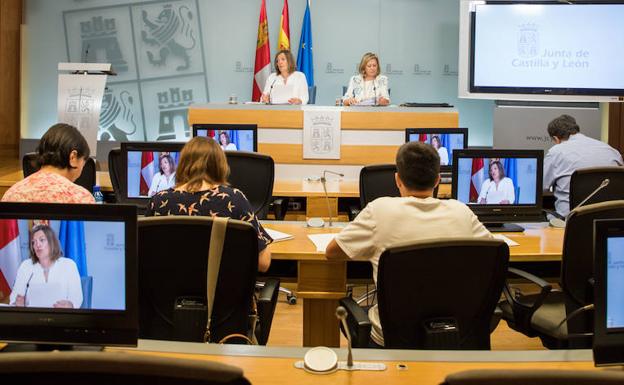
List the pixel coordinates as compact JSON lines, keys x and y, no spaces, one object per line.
{"x":368,"y":87}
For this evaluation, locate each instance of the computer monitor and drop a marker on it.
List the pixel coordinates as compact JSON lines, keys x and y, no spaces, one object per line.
{"x":608,"y":288}
{"x":68,"y":274}
{"x":446,"y":141}
{"x":147,"y":168}
{"x":232,"y":137}
{"x":500,"y":186}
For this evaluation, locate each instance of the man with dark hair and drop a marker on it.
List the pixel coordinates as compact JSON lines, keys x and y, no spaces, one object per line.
{"x":572,"y":150}
{"x":413,"y":217}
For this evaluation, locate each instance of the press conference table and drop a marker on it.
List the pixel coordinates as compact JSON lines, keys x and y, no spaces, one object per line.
{"x":270,"y":365}
{"x":321,"y":282}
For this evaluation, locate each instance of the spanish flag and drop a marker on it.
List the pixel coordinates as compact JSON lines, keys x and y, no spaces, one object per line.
{"x":262,"y":67}
{"x":283,"y":40}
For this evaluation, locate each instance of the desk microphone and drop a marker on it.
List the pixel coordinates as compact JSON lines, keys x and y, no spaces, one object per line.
{"x":271,"y":90}
{"x":556,"y":222}
{"x":324,"y":182}
{"x":27,"y":285}
{"x":375,"y":93}
{"x":341,"y":314}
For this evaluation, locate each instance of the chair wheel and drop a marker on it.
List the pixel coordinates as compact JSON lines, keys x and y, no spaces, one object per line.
{"x":292,"y":300}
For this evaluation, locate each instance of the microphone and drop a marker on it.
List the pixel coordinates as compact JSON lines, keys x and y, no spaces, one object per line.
{"x":27,"y":285}
{"x":556,"y":222}
{"x":324,"y":182}
{"x":341,"y":314}
{"x":375,"y":93}
{"x":271,"y":90}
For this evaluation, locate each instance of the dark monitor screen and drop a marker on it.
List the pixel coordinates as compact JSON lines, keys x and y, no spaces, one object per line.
{"x":503,"y":185}
{"x":68,"y":274}
{"x":609,"y":286}
{"x":231,"y":137}
{"x":445,"y":140}
{"x":149,"y":168}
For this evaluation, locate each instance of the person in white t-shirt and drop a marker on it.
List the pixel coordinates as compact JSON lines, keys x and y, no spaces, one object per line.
{"x":497,"y":188}
{"x":285,"y":75}
{"x":415,"y":216}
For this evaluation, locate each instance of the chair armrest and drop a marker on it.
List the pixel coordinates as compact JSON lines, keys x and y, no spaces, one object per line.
{"x":358,"y":322}
{"x":280,"y":207}
{"x":523,"y":310}
{"x":266,"y":303}
{"x":554,"y":214}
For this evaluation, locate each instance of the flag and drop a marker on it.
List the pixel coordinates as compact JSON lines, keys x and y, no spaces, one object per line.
{"x":422,"y":138}
{"x":262,"y":67}
{"x":511,"y":171}
{"x":305,"y":57}
{"x":148,"y":170}
{"x":72,"y":239}
{"x":10,"y":255}
{"x":283,"y":39}
{"x":477,"y":176}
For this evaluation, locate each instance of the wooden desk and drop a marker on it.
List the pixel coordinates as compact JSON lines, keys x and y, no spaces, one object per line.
{"x":321,"y":282}
{"x":267,"y":365}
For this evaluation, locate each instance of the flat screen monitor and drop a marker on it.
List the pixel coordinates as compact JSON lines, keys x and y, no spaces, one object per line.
{"x":231,"y":137}
{"x":446,"y":141}
{"x":68,"y":274}
{"x":608,"y":288}
{"x":147,"y":168}
{"x":500,"y":186}
{"x":547,"y":47}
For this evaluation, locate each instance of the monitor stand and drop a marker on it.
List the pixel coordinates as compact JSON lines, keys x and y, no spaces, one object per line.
{"x":499,"y":227}
{"x":18,"y":348}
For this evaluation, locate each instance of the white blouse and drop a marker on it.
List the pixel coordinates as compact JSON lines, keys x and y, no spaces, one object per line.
{"x":296,"y":80}
{"x":161,"y":182}
{"x":495,"y":194}
{"x":363,"y":90}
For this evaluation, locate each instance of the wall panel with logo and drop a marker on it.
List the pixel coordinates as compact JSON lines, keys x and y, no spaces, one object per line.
{"x":170,"y":54}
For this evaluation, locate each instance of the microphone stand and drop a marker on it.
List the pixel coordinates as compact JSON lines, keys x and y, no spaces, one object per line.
{"x":324,"y":182}
{"x":341,"y":314}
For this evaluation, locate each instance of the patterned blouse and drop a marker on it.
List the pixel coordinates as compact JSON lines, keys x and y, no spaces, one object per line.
{"x":47,"y":187}
{"x":222,"y":201}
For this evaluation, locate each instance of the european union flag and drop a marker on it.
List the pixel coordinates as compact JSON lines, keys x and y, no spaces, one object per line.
{"x":304,"y":57}
{"x":72,"y":239}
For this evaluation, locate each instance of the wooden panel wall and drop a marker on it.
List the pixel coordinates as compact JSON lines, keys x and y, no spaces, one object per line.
{"x":10,"y":21}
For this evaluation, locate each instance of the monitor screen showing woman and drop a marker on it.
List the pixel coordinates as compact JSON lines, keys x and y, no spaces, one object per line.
{"x":230,"y":139}
{"x":497,"y":181}
{"x":444,"y":143}
{"x":150,"y":172}
{"x":63,"y":264}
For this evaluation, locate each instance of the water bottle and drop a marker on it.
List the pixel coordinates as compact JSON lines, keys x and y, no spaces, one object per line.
{"x":97,"y":194}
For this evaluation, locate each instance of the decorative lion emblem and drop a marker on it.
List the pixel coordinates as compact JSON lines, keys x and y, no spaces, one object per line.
{"x":117,"y":117}
{"x":172,"y":33}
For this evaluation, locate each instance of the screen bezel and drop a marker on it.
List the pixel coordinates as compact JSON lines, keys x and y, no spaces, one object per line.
{"x":141,"y":146}
{"x":77,"y":326}
{"x":235,"y":127}
{"x":449,"y":130}
{"x":608,"y":342}
{"x":472,"y":88}
{"x":503,"y":213}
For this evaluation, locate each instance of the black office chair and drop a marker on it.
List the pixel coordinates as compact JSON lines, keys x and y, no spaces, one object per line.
{"x":115,"y":172}
{"x":534,"y":377}
{"x":424,"y":286}
{"x":86,"y":179}
{"x":253,"y":174}
{"x":585,"y":180}
{"x":312,"y":95}
{"x":119,"y":368}
{"x":173,"y":252}
{"x":561,"y":319}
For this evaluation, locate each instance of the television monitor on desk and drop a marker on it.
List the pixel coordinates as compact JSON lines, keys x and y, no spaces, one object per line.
{"x":608,"y":288}
{"x":147,"y":168}
{"x":500,"y":186}
{"x":446,"y":141}
{"x":86,"y":294}
{"x":231,"y":137}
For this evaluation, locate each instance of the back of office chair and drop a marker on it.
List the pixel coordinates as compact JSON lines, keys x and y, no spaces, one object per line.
{"x":253,"y":174}
{"x":585,"y":180}
{"x":312,"y":95}
{"x":115,"y":172}
{"x":119,"y":368}
{"x":86,"y":179}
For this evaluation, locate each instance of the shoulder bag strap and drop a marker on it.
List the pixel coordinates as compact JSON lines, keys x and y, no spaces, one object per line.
{"x":217,"y":237}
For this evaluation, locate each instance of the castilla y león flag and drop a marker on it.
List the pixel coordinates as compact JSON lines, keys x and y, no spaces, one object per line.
{"x":262,"y":68}
{"x":10,"y":255}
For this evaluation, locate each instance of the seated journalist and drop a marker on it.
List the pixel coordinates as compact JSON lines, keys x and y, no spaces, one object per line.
{"x":415,"y":216}
{"x":201,"y":189}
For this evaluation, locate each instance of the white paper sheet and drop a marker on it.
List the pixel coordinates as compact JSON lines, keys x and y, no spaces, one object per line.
{"x":278,"y":235}
{"x":508,"y":241}
{"x":321,"y":240}
{"x":281,"y":93}
{"x":44,"y":294}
